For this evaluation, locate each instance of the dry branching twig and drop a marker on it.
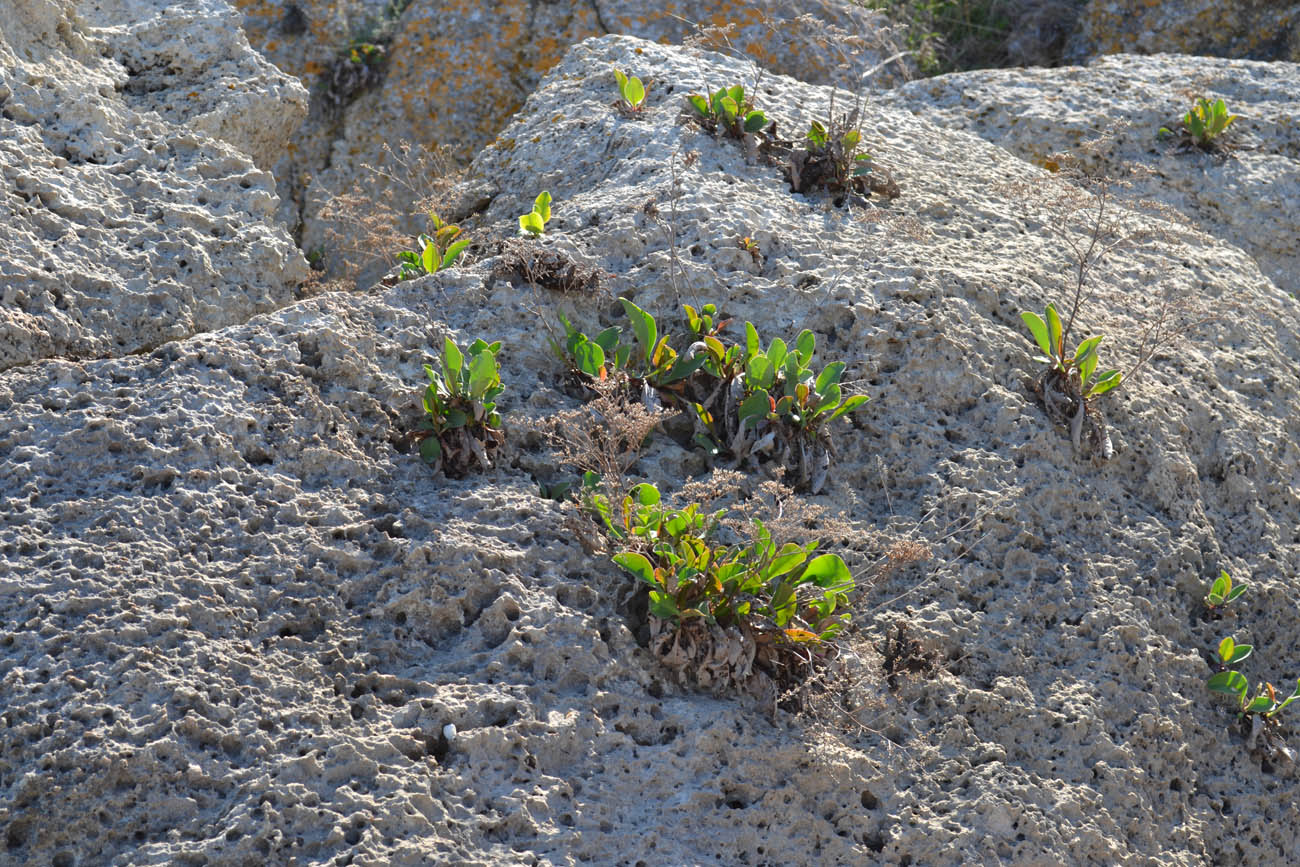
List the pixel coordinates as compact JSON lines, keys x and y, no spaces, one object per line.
{"x":386,"y":208}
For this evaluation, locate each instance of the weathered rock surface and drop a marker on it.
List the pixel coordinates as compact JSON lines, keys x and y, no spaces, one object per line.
{"x":1226,"y":28}
{"x":1247,"y":197}
{"x":237,"y":619}
{"x":459,"y":69}
{"x":132,"y":214}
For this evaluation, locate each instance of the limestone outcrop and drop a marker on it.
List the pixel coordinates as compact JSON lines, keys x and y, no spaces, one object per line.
{"x":238,"y":620}
{"x":134,"y":208}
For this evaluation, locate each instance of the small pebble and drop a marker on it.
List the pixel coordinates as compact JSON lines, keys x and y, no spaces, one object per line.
{"x":449,"y":731}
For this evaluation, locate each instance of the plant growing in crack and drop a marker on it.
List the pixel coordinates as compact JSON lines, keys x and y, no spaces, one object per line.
{"x":1204,"y":126}
{"x":461,"y":427}
{"x":534,"y":222}
{"x":631,"y":93}
{"x":1257,"y":713}
{"x":1222,"y":592}
{"x":1070,"y":382}
{"x":436,"y":252}
{"x":779,"y":605}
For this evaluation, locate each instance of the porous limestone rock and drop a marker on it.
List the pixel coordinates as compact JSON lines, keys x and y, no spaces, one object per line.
{"x":132,"y":214}
{"x":1247,"y":197}
{"x":1268,"y":30}
{"x":458,"y":69}
{"x":237,"y":620}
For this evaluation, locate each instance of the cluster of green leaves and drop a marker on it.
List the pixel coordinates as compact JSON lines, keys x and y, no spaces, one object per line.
{"x":1077,"y":368}
{"x":1204,"y":123}
{"x":534,"y":222}
{"x":436,"y":252}
{"x":728,"y":110}
{"x":649,"y":358}
{"x":777,"y":385}
{"x":1265,"y":700}
{"x":842,"y":143}
{"x":366,"y":53}
{"x":631,"y":92}
{"x":691,"y":576}
{"x":1223,"y":591}
{"x":460,"y":405}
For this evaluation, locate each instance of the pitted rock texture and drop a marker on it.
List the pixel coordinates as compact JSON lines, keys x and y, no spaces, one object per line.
{"x":1225,"y":28}
{"x":458,"y":69}
{"x":126,"y":223}
{"x":237,"y":620}
{"x":1247,"y":197}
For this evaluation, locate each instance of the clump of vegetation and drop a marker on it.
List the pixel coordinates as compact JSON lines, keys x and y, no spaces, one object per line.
{"x":728,"y":111}
{"x":534,"y":222}
{"x":359,"y":65}
{"x":777,"y":609}
{"x":631,"y":93}
{"x":548,"y":268}
{"x":436,"y":252}
{"x":461,"y":428}
{"x":832,"y":158}
{"x":753,"y":404}
{"x":1222,"y":591}
{"x":1256,"y":712}
{"x":1204,"y":125}
{"x":1070,"y":382}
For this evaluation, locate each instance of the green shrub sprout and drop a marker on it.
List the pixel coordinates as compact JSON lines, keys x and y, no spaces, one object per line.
{"x":436,"y":252}
{"x":534,"y":222}
{"x":631,"y":93}
{"x":461,"y":427}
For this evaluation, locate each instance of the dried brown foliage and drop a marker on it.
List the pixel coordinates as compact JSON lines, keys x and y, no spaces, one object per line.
{"x":524,"y":261}
{"x":388,"y":205}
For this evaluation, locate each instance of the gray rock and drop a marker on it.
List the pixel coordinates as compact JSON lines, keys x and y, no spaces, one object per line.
{"x":128,"y":224}
{"x":1247,"y":198}
{"x":237,"y":620}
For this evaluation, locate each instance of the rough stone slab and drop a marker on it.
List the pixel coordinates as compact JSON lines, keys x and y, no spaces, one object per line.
{"x":1248,"y":198}
{"x":126,"y":222}
{"x":237,"y":620}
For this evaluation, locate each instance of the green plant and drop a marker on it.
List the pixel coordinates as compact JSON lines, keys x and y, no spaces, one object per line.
{"x":1231,"y":653}
{"x":1075,"y":369}
{"x":1223,"y":591}
{"x":729,"y":110}
{"x":534,"y":222}
{"x":461,"y":426}
{"x":832,"y":157}
{"x":437,"y":251}
{"x":1204,"y":123}
{"x":1264,"y":702}
{"x":744,"y":400}
{"x":757,"y":584}
{"x":631,"y":93}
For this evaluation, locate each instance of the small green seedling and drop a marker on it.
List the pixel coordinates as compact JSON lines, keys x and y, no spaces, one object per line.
{"x":1264,"y":702}
{"x":1231,"y":653}
{"x":437,"y":251}
{"x":1076,"y":369}
{"x":1223,"y":591}
{"x":1204,"y":123}
{"x":365,"y":53}
{"x":534,"y":222}
{"x":631,"y":93}
{"x":461,"y":426}
{"x":727,"y":111}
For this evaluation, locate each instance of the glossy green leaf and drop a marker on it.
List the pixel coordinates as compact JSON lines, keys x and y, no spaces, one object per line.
{"x":429,"y":258}
{"x":1229,"y":683}
{"x":827,"y":570}
{"x":1054,"y":333}
{"x":755,"y":407}
{"x":542,"y":206}
{"x":589,"y":357}
{"x":637,"y":565}
{"x":430,"y":450}
{"x":829,"y":377}
{"x":634,"y":91}
{"x":452,"y":360}
{"x":699,"y":104}
{"x":751,"y":340}
{"x":1038,"y":328}
{"x":754,"y":121}
{"x":804,"y":346}
{"x":1105,"y":382}
{"x":643,"y":326}
{"x":850,"y":403}
{"x":453,"y":253}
